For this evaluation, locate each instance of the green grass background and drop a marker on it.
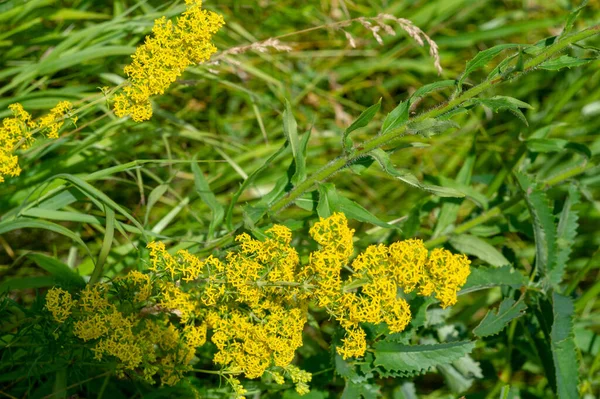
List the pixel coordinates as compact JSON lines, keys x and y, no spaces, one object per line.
{"x":229,"y":116}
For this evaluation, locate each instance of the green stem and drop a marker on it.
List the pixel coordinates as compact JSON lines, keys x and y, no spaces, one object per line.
{"x":360,"y":150}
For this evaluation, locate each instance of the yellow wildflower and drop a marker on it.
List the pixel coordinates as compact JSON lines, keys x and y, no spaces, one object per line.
{"x":16,"y":132}
{"x":54,"y":120}
{"x":164,"y":57}
{"x":59,"y":302}
{"x":445,"y":273}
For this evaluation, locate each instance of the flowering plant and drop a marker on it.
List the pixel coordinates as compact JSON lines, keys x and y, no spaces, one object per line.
{"x":298,"y":286}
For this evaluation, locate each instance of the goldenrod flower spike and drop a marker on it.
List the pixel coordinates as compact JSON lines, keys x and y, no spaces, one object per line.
{"x":59,"y":302}
{"x":16,"y":132}
{"x":255,"y":302}
{"x":165,"y":56}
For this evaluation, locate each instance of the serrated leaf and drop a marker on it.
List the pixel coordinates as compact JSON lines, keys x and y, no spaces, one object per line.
{"x":499,"y":103}
{"x":487,"y":277}
{"x":563,"y":348}
{"x":564,"y":61}
{"x":430,"y":127}
{"x":457,"y":382}
{"x":61,"y":272}
{"x":566,"y":233}
{"x":419,"y":358}
{"x":407,"y":177}
{"x":544,"y":227}
{"x":405,"y":391}
{"x":475,"y":246}
{"x":209,"y":198}
{"x":482,"y":59}
{"x":494,"y":322}
{"x":364,"y":390}
{"x":468,"y":367}
{"x":571,"y":19}
{"x":396,"y":118}
{"x":342,"y":368}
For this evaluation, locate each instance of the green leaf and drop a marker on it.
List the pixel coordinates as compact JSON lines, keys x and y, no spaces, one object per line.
{"x":106,"y":245}
{"x":450,"y":207}
{"x":482,"y":59}
{"x":66,"y":14}
{"x":564,"y":61}
{"x":209,"y":198}
{"x":300,"y":165}
{"x":571,"y":19}
{"x":363,"y":119}
{"x":544,"y":227}
{"x":250,"y":180}
{"x":430,"y":127}
{"x":494,"y":322}
{"x":357,"y":390}
{"x":556,"y":145}
{"x":419,"y":358}
{"x":487,"y":277}
{"x":62,"y":273}
{"x":475,"y":246}
{"x":23,"y":283}
{"x":328,"y":200}
{"x":499,"y":103}
{"x":290,"y":129}
{"x":564,"y":352}
{"x":155,"y":195}
{"x":429,"y":88}
{"x":356,"y":211}
{"x":566,"y":233}
{"x":407,"y":177}
{"x":396,"y":118}
{"x":27,"y":223}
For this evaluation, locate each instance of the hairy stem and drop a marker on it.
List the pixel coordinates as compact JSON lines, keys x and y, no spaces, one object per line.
{"x":364,"y":148}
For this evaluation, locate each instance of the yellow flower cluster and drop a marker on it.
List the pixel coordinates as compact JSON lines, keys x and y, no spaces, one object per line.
{"x":165,"y":56}
{"x":17,"y":132}
{"x":379,"y":275}
{"x":52,"y":122}
{"x":121,"y":322}
{"x":253,"y":305}
{"x":59,"y":302}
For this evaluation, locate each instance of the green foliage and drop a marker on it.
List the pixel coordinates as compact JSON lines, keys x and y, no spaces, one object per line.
{"x":253,"y":139}
{"x":563,"y":347}
{"x":494,"y":322}
{"x":415,"y":359}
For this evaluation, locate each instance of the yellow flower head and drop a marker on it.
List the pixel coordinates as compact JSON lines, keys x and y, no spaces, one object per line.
{"x":59,"y":302}
{"x":54,"y":120}
{"x":445,"y":274}
{"x":16,"y":133}
{"x":164,"y":57}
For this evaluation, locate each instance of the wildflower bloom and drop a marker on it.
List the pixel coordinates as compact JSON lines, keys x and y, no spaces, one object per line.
{"x":53,"y":121}
{"x":59,"y":302}
{"x":164,"y":57}
{"x":17,"y":132}
{"x":255,"y":302}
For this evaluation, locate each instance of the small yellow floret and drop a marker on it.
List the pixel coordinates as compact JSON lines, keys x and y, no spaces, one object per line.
{"x":59,"y":302}
{"x":164,"y":57}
